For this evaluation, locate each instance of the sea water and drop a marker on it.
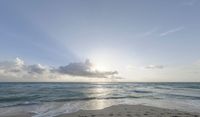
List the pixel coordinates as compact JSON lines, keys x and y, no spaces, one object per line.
{"x":51,"y":99}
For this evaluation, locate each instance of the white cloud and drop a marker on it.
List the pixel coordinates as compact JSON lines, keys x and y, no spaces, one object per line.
{"x":18,"y":69}
{"x":131,"y":68}
{"x":154,"y":67}
{"x":19,"y":62}
{"x":171,"y":31}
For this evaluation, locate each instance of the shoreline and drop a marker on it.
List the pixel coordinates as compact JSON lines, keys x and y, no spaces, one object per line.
{"x":121,"y":110}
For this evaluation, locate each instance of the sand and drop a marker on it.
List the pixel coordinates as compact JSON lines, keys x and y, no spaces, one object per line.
{"x":122,"y":111}
{"x":18,"y":115}
{"x":131,"y":111}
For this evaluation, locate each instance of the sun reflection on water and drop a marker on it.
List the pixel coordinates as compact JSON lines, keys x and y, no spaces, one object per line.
{"x":100,"y":93}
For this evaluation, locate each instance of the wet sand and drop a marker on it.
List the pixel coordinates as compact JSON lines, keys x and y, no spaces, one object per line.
{"x":122,"y":111}
{"x":131,"y":111}
{"x":18,"y":115}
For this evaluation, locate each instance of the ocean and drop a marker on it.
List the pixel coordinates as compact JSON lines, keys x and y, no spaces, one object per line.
{"x":51,"y":99}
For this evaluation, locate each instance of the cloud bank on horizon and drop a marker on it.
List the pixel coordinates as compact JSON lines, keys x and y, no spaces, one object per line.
{"x":18,"y":69}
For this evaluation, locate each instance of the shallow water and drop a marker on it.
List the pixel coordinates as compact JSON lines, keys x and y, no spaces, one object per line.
{"x":50,"y":99}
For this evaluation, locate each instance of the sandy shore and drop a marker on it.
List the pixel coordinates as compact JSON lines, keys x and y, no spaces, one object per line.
{"x":131,"y":111}
{"x":18,"y":115}
{"x":122,"y":111}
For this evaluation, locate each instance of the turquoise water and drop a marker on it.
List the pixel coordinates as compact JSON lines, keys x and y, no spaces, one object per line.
{"x":70,"y":97}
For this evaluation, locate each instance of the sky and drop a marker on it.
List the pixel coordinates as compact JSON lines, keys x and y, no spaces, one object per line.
{"x":99,"y":41}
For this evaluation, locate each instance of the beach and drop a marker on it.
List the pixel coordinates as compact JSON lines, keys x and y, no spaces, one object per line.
{"x":122,"y":111}
{"x":99,"y":99}
{"x":99,"y":58}
{"x":131,"y":111}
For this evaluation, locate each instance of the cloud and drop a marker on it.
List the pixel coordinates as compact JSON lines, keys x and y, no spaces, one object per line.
{"x":150,"y":32}
{"x":154,"y":67}
{"x":18,"y":66}
{"x":19,"y":69}
{"x":19,"y":62}
{"x":84,"y":69}
{"x":147,"y":67}
{"x":171,"y":31}
{"x":38,"y":68}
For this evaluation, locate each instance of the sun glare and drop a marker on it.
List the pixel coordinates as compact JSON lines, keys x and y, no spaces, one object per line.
{"x":101,"y":61}
{"x":99,"y":66}
{"x":102,"y":64}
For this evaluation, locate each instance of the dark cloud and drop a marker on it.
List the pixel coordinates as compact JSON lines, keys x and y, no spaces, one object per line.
{"x":39,"y":69}
{"x":84,"y":69}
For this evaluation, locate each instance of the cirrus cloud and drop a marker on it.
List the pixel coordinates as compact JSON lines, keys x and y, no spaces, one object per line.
{"x":171,"y":31}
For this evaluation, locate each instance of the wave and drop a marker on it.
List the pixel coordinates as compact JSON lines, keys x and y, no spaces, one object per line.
{"x":18,"y":98}
{"x":140,"y":91}
{"x":75,"y":99}
{"x":58,"y":92}
{"x":19,"y":104}
{"x":179,"y":96}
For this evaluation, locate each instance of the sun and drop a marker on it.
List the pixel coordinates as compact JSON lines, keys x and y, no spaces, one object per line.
{"x":100,"y":64}
{"x":103,"y":60}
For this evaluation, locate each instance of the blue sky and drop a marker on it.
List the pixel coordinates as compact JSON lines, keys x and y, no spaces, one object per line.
{"x":113,"y":34}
